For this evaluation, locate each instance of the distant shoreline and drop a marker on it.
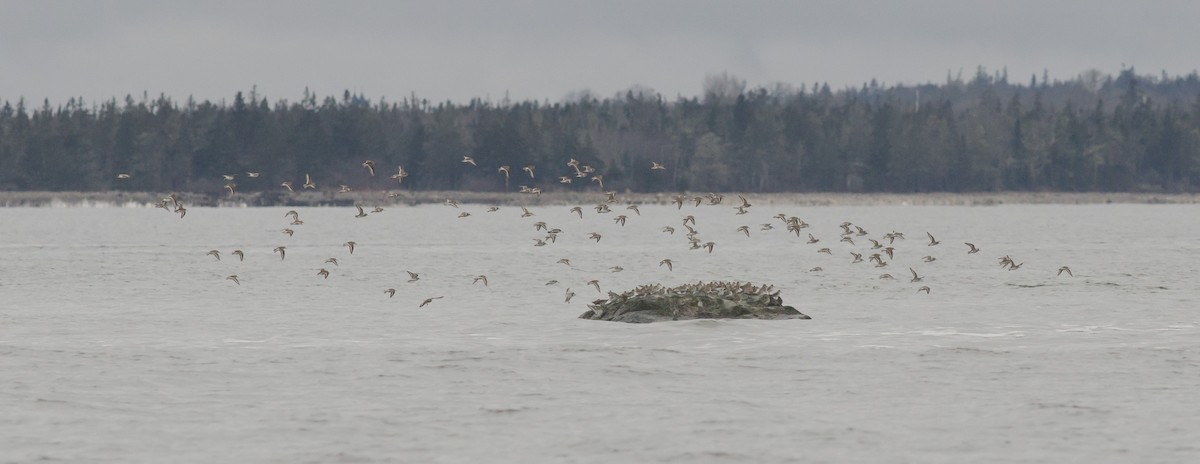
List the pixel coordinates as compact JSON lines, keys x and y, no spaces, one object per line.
{"x":329,"y":198}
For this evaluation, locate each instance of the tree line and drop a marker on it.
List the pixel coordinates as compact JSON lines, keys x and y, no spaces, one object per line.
{"x":1096,"y":132}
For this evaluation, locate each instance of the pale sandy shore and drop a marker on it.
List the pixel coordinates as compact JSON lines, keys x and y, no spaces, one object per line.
{"x":369,"y":199}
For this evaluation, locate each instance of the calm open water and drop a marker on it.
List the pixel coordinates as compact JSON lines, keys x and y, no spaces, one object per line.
{"x":122,"y":341}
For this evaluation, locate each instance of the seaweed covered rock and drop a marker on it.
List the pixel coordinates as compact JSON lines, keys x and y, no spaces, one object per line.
{"x":713,"y":300}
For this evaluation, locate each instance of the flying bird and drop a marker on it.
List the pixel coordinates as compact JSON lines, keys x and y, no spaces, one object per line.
{"x":350,"y":245}
{"x":1064,"y":269}
{"x":973,"y":250}
{"x":412,"y":276}
{"x":469,"y":160}
{"x":480,"y":278}
{"x":323,"y":272}
{"x":234,"y":278}
{"x":370,"y":165}
{"x":308,"y":182}
{"x":215,"y":254}
{"x":429,"y":300}
{"x":282,"y":250}
{"x":668,"y":263}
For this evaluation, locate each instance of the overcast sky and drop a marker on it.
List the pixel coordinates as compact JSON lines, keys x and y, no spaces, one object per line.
{"x":548,"y":49}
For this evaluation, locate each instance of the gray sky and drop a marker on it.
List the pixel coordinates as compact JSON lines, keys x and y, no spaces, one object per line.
{"x":545,"y":49}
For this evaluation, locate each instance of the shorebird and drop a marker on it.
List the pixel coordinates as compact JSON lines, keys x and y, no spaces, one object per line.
{"x":594,"y":236}
{"x":689,"y":218}
{"x":826,"y":251}
{"x":323,"y":272}
{"x":710,"y":246}
{"x":412,"y":276}
{"x":505,"y":170}
{"x":234,"y":278}
{"x":655,"y":165}
{"x":215,"y":254}
{"x":492,"y":209}
{"x":1065,"y":269}
{"x":332,"y":260}
{"x":391,"y":292}
{"x":463,"y":214}
{"x":525,"y":212}
{"x":539,"y":242}
{"x":973,"y":250}
{"x":929,"y":259}
{"x":529,"y":169}
{"x":847,"y":239}
{"x":551,"y":282}
{"x":295,"y":216}
{"x":253,"y":174}
{"x":181,"y":210}
{"x":429,"y":300}
{"x":816,"y":269}
{"x":361,"y":213}
{"x":241,"y":256}
{"x":812,"y":240}
{"x":923,"y":289}
{"x":469,"y":160}
{"x":351,"y":245}
{"x":857,"y":257}
{"x":915,"y":277}
{"x":861,"y":232}
{"x":668,"y":263}
{"x":744,"y":230}
{"x":377,"y":210}
{"x":231,"y":187}
{"x":577,"y":210}
{"x":123,"y":176}
{"x":564,"y":261}
{"x":745,"y":204}
{"x":569,"y":295}
{"x":289,"y":232}
{"x":766,"y":227}
{"x":635,"y":209}
{"x":678,"y":201}
{"x":875,"y":245}
{"x":886,"y":277}
{"x":1005,"y":261}
{"x":564,"y":180}
{"x":595,"y":283}
{"x":616,"y":269}
{"x":370,"y":165}
{"x":308,"y":182}
{"x":740,"y":210}
{"x":451,"y":202}
{"x":890,"y":252}
{"x":480,"y":278}
{"x":399,"y":175}
{"x":343,"y":188}
{"x":669,"y":230}
{"x":1014,"y":266}
{"x":599,"y":179}
{"x":287,"y":184}
{"x":932,"y":241}
{"x":282,"y":250}
{"x":601,"y":208}
{"x":620,"y":219}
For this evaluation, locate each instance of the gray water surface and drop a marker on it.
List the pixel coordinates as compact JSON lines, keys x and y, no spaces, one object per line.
{"x":121,"y":341}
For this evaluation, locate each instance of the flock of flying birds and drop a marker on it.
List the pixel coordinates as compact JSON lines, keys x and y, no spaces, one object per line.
{"x":880,"y":253}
